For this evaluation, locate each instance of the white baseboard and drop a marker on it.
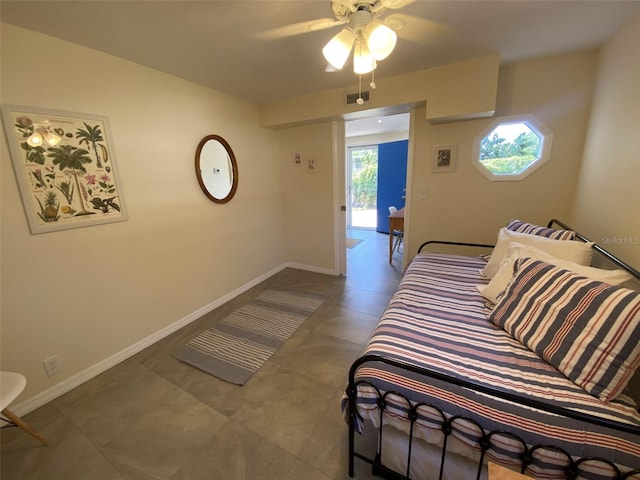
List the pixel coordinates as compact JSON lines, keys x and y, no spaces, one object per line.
{"x":70,"y":383}
{"x":312,"y":268}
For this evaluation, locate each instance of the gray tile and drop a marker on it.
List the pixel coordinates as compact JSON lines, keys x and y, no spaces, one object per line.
{"x":146,"y":426}
{"x":153,"y":417}
{"x":164,"y":438}
{"x":327,"y":449}
{"x":321,"y":314}
{"x":328,"y":285}
{"x":302,"y":470}
{"x":212,"y":391}
{"x":348,"y":324}
{"x":39,"y":419}
{"x":283,"y":406}
{"x":116,"y":379}
{"x":375,"y":278}
{"x":237,"y":453}
{"x":366,"y":301}
{"x":70,"y":454}
{"x":319,"y":357}
{"x":105,"y":406}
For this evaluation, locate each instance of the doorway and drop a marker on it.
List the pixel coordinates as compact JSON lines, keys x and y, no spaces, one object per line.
{"x":376,"y":169}
{"x":365,"y":140}
{"x":362,"y":181}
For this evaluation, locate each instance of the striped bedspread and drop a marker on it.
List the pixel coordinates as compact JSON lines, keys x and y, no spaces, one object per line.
{"x":438,"y":320}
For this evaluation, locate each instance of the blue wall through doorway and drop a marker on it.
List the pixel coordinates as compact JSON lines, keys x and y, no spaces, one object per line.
{"x":392,"y":180}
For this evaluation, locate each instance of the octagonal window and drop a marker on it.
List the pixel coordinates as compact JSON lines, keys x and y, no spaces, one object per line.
{"x":512,"y":148}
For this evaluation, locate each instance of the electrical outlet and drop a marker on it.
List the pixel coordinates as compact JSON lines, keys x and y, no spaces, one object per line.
{"x":52,"y":365}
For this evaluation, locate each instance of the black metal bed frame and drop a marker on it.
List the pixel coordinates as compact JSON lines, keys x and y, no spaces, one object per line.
{"x":572,"y":469}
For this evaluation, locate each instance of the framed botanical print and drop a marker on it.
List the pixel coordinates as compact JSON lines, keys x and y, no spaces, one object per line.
{"x":65,"y":166}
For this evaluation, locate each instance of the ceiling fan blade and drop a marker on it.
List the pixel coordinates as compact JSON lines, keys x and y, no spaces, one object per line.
{"x":395,"y":4}
{"x":417,"y":29}
{"x":299,"y":28}
{"x":324,"y":24}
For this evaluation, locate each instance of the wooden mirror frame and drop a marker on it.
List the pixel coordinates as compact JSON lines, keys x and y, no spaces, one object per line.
{"x":232,"y":161}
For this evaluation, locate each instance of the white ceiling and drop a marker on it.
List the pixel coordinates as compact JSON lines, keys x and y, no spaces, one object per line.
{"x":230,"y":46}
{"x":378,"y":125}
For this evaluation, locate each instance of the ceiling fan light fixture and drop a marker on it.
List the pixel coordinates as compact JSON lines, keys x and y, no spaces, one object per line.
{"x":370,"y":38}
{"x":380,"y":39}
{"x":337,"y":50}
{"x":363,"y":60}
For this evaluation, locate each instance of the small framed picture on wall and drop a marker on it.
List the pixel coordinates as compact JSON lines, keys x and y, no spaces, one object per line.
{"x":444,"y":158}
{"x":311,"y":164}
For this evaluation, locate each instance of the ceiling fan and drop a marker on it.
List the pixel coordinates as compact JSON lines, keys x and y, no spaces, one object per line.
{"x":370,"y":37}
{"x":342,"y":10}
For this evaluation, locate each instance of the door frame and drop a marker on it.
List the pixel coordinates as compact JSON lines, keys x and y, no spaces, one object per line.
{"x":339,"y":155}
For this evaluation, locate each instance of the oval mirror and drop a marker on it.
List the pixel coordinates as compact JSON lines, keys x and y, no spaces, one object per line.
{"x":216,"y":169}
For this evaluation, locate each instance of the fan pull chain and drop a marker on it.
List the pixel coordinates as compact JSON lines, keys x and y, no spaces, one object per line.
{"x":360,"y":100}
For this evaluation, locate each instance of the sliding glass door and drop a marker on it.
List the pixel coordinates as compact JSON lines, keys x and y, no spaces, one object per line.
{"x":362,"y":186}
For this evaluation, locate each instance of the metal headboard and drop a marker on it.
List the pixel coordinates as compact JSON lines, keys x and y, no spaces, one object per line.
{"x":609,"y":256}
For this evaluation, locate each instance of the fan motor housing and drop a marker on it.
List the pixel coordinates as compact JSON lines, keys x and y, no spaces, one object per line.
{"x":343,"y":9}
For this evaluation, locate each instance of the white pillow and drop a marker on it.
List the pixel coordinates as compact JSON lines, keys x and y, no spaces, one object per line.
{"x":516,"y":250}
{"x":571,"y":250}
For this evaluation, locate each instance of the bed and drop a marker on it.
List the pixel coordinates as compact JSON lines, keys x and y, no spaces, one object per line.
{"x":456,"y":376}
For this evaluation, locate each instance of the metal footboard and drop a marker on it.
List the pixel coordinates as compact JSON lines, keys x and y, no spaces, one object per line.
{"x":528,"y":457}
{"x":572,"y":468}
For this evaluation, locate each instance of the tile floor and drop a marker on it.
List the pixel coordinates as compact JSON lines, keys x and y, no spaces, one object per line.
{"x":155,"y":418}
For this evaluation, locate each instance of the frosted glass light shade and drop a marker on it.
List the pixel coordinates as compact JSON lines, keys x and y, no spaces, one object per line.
{"x":363,"y":61}
{"x":337,"y":50}
{"x":380,"y":39}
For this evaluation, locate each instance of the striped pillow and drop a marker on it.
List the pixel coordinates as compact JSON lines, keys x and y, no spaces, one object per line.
{"x":588,"y":330}
{"x":523,"y":227}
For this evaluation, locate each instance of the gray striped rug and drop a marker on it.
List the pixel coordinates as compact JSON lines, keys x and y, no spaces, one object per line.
{"x":238,"y":345}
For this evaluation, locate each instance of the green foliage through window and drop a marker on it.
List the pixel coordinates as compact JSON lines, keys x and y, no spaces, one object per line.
{"x":364,"y":181}
{"x":503,"y":157}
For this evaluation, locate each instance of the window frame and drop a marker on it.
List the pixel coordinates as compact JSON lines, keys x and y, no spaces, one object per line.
{"x":546,"y":137}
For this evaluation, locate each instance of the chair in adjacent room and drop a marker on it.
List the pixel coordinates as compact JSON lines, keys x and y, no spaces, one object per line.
{"x":396,"y":233}
{"x":11,"y":385}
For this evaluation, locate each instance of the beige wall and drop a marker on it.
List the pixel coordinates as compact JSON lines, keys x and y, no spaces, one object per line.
{"x":179,"y":254}
{"x":459,"y":90}
{"x":309,"y":200}
{"x":465,"y":205}
{"x":607,"y":201}
{"x":91,"y":293}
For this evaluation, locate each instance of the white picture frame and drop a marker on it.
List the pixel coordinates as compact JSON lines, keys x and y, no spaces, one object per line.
{"x":65,"y":167}
{"x":444,"y":158}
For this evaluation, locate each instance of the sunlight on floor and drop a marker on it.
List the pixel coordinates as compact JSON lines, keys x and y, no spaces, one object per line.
{"x":361,"y":218}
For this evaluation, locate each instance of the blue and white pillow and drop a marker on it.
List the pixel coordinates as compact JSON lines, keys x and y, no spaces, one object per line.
{"x":588,"y":330}
{"x":531,"y":229}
